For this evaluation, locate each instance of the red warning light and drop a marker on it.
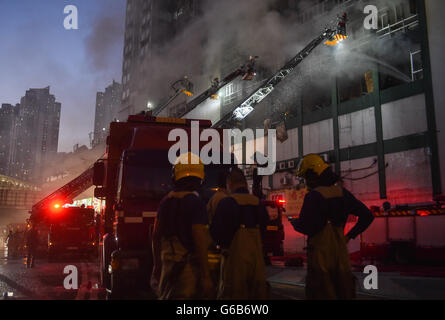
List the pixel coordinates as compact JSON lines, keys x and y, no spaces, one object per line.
{"x":281,"y":201}
{"x":423,"y":213}
{"x":57,"y":206}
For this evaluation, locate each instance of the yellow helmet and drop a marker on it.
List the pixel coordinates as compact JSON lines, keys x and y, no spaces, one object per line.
{"x":312,"y":162}
{"x":188,"y":165}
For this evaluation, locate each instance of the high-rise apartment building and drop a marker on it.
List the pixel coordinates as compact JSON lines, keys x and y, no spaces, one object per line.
{"x":35,"y":134}
{"x":149,"y":25}
{"x":7,"y":126}
{"x":107,"y":107}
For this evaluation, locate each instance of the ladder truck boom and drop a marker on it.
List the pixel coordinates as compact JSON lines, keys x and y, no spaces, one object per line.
{"x":329,"y":37}
{"x":185,"y":87}
{"x":66,"y":193}
{"x":246,"y":72}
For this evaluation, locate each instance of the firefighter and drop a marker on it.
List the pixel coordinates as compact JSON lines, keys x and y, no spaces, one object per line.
{"x":341,"y":26}
{"x":14,"y":244}
{"x":220,"y":193}
{"x":249,"y":69}
{"x":322,"y":218}
{"x":212,"y":204}
{"x":215,"y":82}
{"x":10,"y":243}
{"x":181,"y":236}
{"x":32,"y":241}
{"x":236,"y":227}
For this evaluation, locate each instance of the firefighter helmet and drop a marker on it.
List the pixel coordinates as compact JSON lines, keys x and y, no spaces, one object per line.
{"x":312,"y":162}
{"x":188,"y":165}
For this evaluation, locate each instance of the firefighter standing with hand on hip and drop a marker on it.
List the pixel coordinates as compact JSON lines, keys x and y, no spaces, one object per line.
{"x":323,"y":217}
{"x":181,"y":236}
{"x":237,"y":226}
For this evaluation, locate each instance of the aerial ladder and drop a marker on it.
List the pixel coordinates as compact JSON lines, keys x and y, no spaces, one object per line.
{"x":247,"y":72}
{"x":63,"y":195}
{"x":182,"y":86}
{"x":331,"y":37}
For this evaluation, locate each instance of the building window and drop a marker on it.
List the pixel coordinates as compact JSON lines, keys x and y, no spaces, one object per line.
{"x":230,"y":89}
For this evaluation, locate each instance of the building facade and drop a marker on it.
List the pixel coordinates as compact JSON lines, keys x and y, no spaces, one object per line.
{"x":108,"y":104}
{"x":374,"y":112}
{"x":150,"y":24}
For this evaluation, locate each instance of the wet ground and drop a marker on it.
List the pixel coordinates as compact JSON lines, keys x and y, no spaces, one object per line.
{"x":46,"y":282}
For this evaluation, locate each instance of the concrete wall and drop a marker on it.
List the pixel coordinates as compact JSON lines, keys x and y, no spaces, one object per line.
{"x":404,"y":117}
{"x":408,"y":173}
{"x":357,"y":128}
{"x":318,"y":137}
{"x":367,"y":189}
{"x":436,"y":29}
{"x":408,"y":177}
{"x":289,"y":148}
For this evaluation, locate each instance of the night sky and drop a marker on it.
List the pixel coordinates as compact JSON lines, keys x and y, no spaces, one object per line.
{"x":37,"y":51}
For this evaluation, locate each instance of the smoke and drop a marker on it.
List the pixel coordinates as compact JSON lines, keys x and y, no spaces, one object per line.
{"x":107,"y":34}
{"x":224,"y":36}
{"x":63,"y":167}
{"x":229,"y":31}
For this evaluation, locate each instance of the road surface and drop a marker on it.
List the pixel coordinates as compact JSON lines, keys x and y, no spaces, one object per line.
{"x":46,"y":282}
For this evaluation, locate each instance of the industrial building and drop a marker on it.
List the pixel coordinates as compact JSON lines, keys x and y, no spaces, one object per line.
{"x":376,"y":116}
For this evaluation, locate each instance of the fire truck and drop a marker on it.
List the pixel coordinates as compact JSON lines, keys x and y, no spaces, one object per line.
{"x":410,"y":234}
{"x":66,"y":230}
{"x":71,"y":232}
{"x":406,"y":234}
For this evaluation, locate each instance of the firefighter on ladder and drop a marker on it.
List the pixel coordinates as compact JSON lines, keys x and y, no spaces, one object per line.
{"x":237,"y":227}
{"x":341,"y":26}
{"x":249,"y":69}
{"x":322,"y":218}
{"x":180,"y":237}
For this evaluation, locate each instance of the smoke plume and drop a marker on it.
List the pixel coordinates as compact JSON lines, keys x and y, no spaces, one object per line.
{"x":229,"y":31}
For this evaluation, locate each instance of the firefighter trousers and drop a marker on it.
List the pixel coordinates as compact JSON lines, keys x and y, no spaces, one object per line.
{"x":243,"y":272}
{"x":179,"y":274}
{"x":329,"y":274}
